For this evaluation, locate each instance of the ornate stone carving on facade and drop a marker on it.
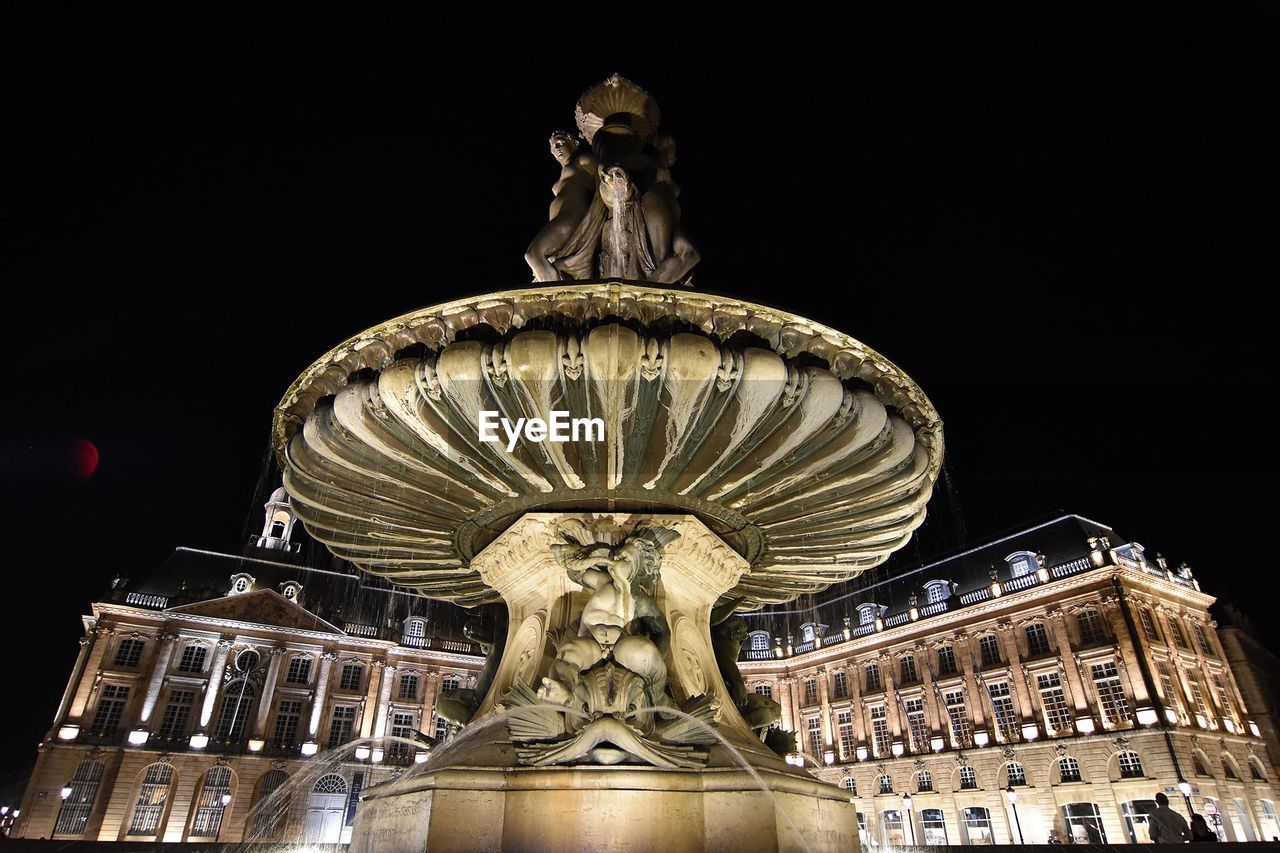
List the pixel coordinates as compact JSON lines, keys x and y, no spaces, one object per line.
{"x":222,"y":761}
{"x":1008,"y":753}
{"x":165,"y":758}
{"x":97,"y":753}
{"x":1060,"y":749}
{"x":609,"y":673}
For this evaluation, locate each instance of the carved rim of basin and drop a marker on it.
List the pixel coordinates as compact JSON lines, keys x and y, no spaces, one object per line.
{"x":808,"y":452}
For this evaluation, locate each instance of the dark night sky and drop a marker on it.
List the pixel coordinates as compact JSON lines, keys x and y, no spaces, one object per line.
{"x":1064,"y":228}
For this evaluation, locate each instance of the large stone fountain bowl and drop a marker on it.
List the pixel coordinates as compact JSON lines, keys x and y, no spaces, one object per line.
{"x":809,"y":453}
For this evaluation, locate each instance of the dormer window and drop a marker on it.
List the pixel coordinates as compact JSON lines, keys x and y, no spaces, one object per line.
{"x":241,"y":583}
{"x":759,"y":641}
{"x":1021,"y":563}
{"x":415,"y":628}
{"x":936,"y":591}
{"x":867,"y":613}
{"x":806,"y":632}
{"x":291,"y":590}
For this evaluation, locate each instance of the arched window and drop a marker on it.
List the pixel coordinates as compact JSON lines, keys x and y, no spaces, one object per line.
{"x":968,"y":779}
{"x":934,"y":826}
{"x":867,"y":613}
{"x":886,"y":784}
{"x":1137,"y":814}
{"x":211,"y":803}
{"x":326,"y":808}
{"x":1068,"y":770}
{"x":291,"y":590}
{"x":270,"y":807}
{"x":1198,"y":763}
{"x":277,"y":529}
{"x":1014,"y":775}
{"x":850,"y":785}
{"x":352,"y":676}
{"x":924,"y":781}
{"x":1021,"y":563}
{"x":759,"y":641}
{"x":415,"y":632}
{"x":1256,"y":770}
{"x":1229,"y":767}
{"x":152,"y":801}
{"x":237,"y":704}
{"x":73,"y":814}
{"x":1130,"y":765}
{"x":807,"y":632}
{"x":935,"y":591}
{"x":977,"y":825}
{"x":1084,"y":823}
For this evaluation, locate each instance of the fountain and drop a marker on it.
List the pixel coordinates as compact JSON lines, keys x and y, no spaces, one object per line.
{"x":745,"y":456}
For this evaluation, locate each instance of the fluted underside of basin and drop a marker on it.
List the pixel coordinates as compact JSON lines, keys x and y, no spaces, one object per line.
{"x":812,"y":476}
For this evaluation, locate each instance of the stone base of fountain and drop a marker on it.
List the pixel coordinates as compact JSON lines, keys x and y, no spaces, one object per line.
{"x":605,"y":808}
{"x":591,"y":739}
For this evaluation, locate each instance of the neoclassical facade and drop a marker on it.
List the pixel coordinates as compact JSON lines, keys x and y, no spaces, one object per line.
{"x":1049,"y":682}
{"x":202,"y":694}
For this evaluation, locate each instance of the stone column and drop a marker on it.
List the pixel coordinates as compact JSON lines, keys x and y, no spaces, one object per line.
{"x":158,"y":671}
{"x":370,"y":700}
{"x":86,"y":644}
{"x":384,"y":700}
{"x":429,"y":700}
{"x":853,"y":672}
{"x":1128,"y":654}
{"x":268,"y":690}
{"x":321,"y":691}
{"x":92,"y":667}
{"x":824,"y":700}
{"x":1017,"y":680}
{"x":973,"y":690}
{"x":1056,"y":623}
{"x":787,"y":700}
{"x":933,"y":713}
{"x":218,"y":666}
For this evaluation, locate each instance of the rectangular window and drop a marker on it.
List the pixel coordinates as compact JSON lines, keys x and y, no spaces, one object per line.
{"x":1203,"y":640}
{"x":1197,"y":697}
{"x":909,"y":670}
{"x":409,"y":686}
{"x":840,"y":682}
{"x":299,"y":671}
{"x":1224,"y":698}
{"x":946,"y":660}
{"x":173,"y":724}
{"x":287,"y":715}
{"x":1175,"y":631}
{"x":1089,"y":623}
{"x":879,"y":731}
{"x":844,"y":724}
{"x":764,"y":689}
{"x":1148,"y":625}
{"x":110,"y":709}
{"x":352,"y":675}
{"x":1172,"y":696}
{"x":989,"y":650}
{"x":341,"y":725}
{"x":129,"y":653}
{"x":1037,"y":640}
{"x":1130,"y":765}
{"x":814,"y":729}
{"x":402,"y":725}
{"x":1115,"y":705}
{"x":1002,"y":702}
{"x":919,"y":730}
{"x":1054,"y":701}
{"x":961,"y":729}
{"x":192,"y":659}
{"x":873,"y":678}
{"x":810,"y":691}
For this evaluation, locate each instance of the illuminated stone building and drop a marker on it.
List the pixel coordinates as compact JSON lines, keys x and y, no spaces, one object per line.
{"x":1050,"y":681}
{"x":202,"y":689}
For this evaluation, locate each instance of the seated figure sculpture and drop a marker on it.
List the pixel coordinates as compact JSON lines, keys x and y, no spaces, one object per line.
{"x":573,"y":194}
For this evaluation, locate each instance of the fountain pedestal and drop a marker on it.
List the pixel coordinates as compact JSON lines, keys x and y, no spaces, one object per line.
{"x":677,"y":784}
